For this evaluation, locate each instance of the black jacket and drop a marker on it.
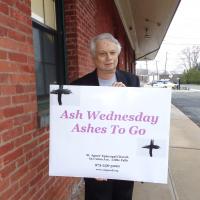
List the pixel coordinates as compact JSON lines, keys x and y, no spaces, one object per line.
{"x":91,"y":79}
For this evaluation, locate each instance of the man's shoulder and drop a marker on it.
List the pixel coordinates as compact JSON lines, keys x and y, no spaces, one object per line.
{"x":128,"y":78}
{"x":127,"y":74}
{"x":88,"y":79}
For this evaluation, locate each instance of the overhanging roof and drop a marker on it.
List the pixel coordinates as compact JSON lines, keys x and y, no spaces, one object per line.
{"x":146,"y":23}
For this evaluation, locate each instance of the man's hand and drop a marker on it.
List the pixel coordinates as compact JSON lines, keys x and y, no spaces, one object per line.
{"x":118,"y":84}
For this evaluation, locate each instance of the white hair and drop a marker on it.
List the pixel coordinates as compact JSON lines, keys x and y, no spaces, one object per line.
{"x":103,"y":36}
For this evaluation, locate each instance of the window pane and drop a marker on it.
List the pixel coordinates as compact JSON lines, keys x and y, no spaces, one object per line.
{"x":50,"y":72}
{"x":50,"y":15}
{"x":49,"y":48}
{"x":37,"y":44}
{"x":37,"y":10}
{"x":40,"y":79}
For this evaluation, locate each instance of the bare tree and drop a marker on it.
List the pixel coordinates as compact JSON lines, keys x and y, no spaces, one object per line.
{"x":190,"y":57}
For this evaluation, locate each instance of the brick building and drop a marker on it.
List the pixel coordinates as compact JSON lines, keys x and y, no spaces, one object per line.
{"x":43,"y":42}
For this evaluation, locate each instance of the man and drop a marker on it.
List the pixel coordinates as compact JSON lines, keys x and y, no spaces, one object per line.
{"x":105,"y":50}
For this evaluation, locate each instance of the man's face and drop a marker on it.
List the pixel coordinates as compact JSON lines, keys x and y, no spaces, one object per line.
{"x":106,"y":56}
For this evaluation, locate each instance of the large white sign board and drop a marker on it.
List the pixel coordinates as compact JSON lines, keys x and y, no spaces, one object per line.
{"x":110,"y":132}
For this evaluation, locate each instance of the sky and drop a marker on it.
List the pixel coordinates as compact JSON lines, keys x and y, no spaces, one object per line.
{"x":184,"y":31}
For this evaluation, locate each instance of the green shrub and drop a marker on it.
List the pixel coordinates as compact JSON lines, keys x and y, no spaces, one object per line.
{"x":191,"y":76}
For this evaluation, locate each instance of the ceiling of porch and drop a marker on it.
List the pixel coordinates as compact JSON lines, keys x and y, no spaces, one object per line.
{"x":146,"y":22}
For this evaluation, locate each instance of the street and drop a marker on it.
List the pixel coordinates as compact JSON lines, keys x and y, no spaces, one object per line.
{"x":189,"y":103}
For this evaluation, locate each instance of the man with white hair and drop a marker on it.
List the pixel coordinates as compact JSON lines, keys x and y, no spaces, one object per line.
{"x":105,"y":50}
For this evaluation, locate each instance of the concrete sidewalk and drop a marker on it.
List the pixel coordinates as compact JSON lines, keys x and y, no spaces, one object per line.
{"x":184,"y":165}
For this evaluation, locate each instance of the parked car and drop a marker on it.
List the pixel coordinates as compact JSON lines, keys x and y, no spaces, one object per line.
{"x":165,"y":84}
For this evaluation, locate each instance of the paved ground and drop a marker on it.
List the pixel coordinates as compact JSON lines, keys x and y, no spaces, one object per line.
{"x":78,"y":193}
{"x":189,"y":103}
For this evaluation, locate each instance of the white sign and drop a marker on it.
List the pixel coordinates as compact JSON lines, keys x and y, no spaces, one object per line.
{"x":110,"y":132}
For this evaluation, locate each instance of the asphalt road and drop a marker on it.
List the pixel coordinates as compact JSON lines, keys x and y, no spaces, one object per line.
{"x":189,"y":103}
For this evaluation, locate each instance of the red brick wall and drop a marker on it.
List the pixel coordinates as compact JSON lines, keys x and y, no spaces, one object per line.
{"x":23,"y":147}
{"x":80,"y":28}
{"x":71,"y":38}
{"x":86,"y":10}
{"x":105,"y":17}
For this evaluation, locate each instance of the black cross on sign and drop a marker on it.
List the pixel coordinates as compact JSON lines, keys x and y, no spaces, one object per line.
{"x":151,"y":147}
{"x":59,"y":92}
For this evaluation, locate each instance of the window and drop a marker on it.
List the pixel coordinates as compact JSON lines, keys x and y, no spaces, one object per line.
{"x":44,"y":12}
{"x":45,"y":61}
{"x":48,"y":42}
